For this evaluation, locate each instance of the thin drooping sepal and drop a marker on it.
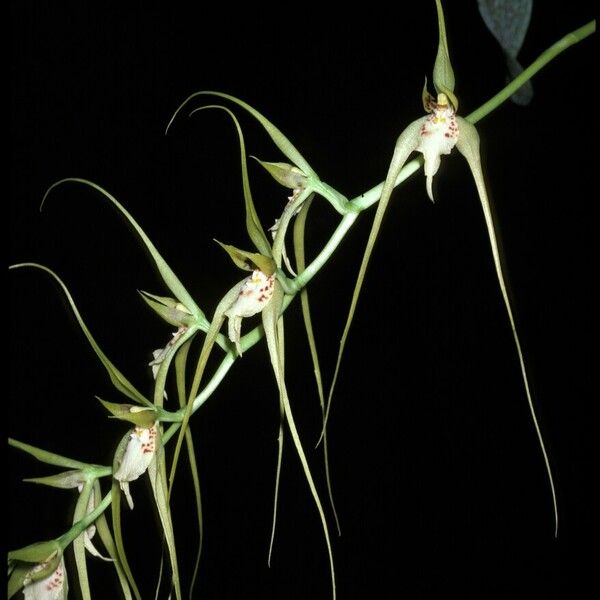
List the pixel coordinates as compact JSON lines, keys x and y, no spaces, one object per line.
{"x":47,"y":457}
{"x":443,"y":74}
{"x":158,"y":480}
{"x":207,"y":346}
{"x":406,"y":143}
{"x":253,"y":224}
{"x":468,"y":146}
{"x":180,"y":364}
{"x":116,"y":520}
{"x":104,"y":533}
{"x":168,"y":276}
{"x":118,"y":379}
{"x":278,"y":138}
{"x":280,"y":440}
{"x":276,"y":352}
{"x":299,"y":251}
{"x":79,"y":542}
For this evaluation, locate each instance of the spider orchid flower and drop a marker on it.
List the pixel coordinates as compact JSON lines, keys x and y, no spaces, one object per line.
{"x":254,"y":294}
{"x":70,"y":480}
{"x":138,"y":454}
{"x":51,"y":587}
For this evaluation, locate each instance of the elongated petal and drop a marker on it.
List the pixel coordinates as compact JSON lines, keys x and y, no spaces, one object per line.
{"x":253,"y":224}
{"x":118,"y":379}
{"x":90,"y":532}
{"x":168,"y":276}
{"x":278,"y":138}
{"x":468,"y":146}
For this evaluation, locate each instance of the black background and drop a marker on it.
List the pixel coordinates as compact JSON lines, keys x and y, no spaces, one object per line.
{"x":439,"y":481}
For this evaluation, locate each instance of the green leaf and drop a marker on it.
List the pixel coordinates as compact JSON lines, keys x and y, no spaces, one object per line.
{"x":276,"y":353}
{"x":278,"y":138}
{"x":468,"y":146}
{"x":118,"y":379}
{"x":168,"y":276}
{"x":253,"y":225}
{"x":249,"y":261}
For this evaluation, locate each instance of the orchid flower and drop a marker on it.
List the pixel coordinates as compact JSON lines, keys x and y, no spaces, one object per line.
{"x":138,"y":454}
{"x":39,"y":570}
{"x":255,"y":293}
{"x":52,"y":587}
{"x":70,"y":480}
{"x":433,"y":135}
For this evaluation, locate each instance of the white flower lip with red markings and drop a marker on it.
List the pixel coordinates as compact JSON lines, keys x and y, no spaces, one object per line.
{"x":138,"y":455}
{"x":438,"y":135}
{"x":50,"y":588}
{"x":255,"y":293}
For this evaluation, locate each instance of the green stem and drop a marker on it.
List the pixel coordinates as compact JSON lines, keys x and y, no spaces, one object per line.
{"x":543,"y":59}
{"x":66,"y":538}
{"x":351,"y":210}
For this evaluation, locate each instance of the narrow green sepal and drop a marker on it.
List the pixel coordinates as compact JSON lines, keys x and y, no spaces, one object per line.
{"x":443,"y":74}
{"x":287,"y":175}
{"x":138,"y":415}
{"x":41,"y":552}
{"x":427,"y":98}
{"x":282,"y":142}
{"x":249,"y":261}
{"x":172,"y":311}
{"x":66,"y":480}
{"x":17,"y":575}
